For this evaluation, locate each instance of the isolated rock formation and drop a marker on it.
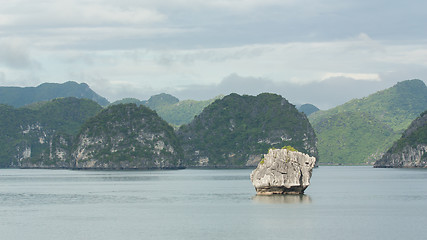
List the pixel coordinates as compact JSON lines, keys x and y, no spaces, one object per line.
{"x":283,"y":172}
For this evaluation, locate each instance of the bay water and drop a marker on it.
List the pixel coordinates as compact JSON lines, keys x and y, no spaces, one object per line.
{"x":341,"y":203}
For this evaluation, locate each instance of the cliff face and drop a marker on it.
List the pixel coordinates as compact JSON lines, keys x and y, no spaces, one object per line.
{"x":42,"y":148}
{"x":411,"y":149}
{"x":283,"y":172}
{"x":236,"y":130}
{"x":47,"y":135}
{"x":127,"y":137}
{"x":41,"y":136}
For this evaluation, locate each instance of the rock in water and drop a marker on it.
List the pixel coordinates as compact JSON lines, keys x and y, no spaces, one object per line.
{"x":283,"y":172}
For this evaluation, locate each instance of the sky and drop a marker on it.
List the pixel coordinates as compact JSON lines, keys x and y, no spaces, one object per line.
{"x":323,"y":52}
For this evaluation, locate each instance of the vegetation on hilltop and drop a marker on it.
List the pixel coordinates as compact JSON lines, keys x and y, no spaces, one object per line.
{"x":127,"y":136}
{"x":232,"y":130}
{"x":66,"y":115}
{"x":157,"y":101}
{"x":360,"y":131}
{"x":31,"y":134}
{"x":129,"y":100}
{"x":21,"y":96}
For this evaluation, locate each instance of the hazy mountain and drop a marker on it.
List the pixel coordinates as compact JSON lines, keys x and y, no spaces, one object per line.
{"x":183,"y":112}
{"x":169,"y":108}
{"x":129,"y":100}
{"x":308,"y":109}
{"x":236,"y":130}
{"x":157,"y":101}
{"x":21,"y":96}
{"x":360,"y":131}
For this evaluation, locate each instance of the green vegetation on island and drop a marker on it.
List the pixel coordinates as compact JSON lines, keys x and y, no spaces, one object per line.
{"x":410,"y":150}
{"x":32,"y":135}
{"x":231,"y":131}
{"x":361,"y":130}
{"x":127,"y":136}
{"x":236,"y":130}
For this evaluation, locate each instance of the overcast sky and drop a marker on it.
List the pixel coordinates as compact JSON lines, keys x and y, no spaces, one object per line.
{"x":320,"y":52}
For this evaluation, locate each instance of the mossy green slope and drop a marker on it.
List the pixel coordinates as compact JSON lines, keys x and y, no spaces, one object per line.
{"x":127,"y":136}
{"x":360,"y":131}
{"x":236,"y":130}
{"x":33,"y":136}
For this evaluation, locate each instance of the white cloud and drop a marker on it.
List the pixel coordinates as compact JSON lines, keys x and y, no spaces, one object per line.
{"x":232,"y":5}
{"x":143,"y":46}
{"x":297,"y":62}
{"x":51,"y":14}
{"x":355,"y":76}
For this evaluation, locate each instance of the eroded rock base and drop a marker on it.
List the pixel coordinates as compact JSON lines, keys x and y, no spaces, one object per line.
{"x":296,"y":190}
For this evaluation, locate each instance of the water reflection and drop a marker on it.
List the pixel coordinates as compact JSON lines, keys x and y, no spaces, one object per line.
{"x":282,"y":199}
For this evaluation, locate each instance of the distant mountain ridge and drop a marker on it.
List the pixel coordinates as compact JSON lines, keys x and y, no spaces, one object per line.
{"x":361,"y":130}
{"x":308,"y":109}
{"x":21,"y":96}
{"x":170,"y":108}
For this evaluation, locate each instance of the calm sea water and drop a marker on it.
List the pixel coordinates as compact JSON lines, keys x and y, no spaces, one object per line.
{"x":341,"y":203}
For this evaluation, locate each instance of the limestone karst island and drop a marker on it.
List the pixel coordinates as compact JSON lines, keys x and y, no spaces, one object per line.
{"x":283,"y":171}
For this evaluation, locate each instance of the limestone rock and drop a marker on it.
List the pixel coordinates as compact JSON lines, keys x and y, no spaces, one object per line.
{"x":283,"y":172}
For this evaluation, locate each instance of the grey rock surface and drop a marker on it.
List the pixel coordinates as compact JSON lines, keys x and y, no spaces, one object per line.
{"x":283,"y":172}
{"x":408,"y":157}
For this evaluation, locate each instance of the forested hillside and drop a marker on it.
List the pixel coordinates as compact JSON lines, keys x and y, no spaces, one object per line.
{"x":361,"y":130}
{"x":237,"y":130}
{"x":42,"y":134}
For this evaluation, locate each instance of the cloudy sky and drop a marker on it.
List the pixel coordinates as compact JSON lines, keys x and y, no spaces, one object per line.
{"x":323,"y":52}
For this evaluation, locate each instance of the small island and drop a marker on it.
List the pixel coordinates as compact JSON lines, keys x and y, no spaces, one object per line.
{"x":283,"y":171}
